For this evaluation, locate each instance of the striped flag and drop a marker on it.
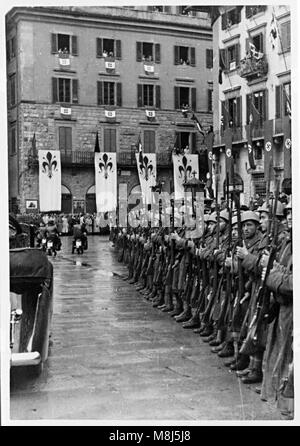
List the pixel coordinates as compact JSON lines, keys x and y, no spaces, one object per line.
{"x":228,"y":154}
{"x":268,"y":150}
{"x":198,"y":124}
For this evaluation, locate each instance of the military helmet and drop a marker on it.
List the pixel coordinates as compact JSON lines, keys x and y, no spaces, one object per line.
{"x":289,"y":206}
{"x":249,"y":215}
{"x":280,"y":209}
{"x":263,"y":208}
{"x":224,"y":214}
{"x":212,"y":217}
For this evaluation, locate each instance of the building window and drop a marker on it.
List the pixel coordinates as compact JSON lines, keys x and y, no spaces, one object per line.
{"x":231,"y":17}
{"x":182,"y":11}
{"x":210,"y":100}
{"x":285,"y":41}
{"x":185,"y":97}
{"x":65,"y":43}
{"x":230,"y":57}
{"x":109,"y":93}
{"x":184,"y":55}
{"x":259,"y":183}
{"x":108,"y":47}
{"x":283,"y":100}
{"x":148,"y":95}
{"x":12,"y":90}
{"x":11,"y":48}
{"x":110,"y":140}
{"x":149,"y":141}
{"x":258,"y":153}
{"x":186,"y":141}
{"x":253,"y":10}
{"x":259,"y":102}
{"x":12,"y":141}
{"x":148,"y":52}
{"x":65,"y":90}
{"x":65,"y":138}
{"x":209,"y":58}
{"x":231,"y":112}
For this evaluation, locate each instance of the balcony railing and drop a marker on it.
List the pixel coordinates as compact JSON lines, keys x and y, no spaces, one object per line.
{"x":78,"y":158}
{"x":251,"y":68}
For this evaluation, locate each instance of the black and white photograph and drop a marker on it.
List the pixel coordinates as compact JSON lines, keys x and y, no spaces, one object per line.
{"x":149,"y":191}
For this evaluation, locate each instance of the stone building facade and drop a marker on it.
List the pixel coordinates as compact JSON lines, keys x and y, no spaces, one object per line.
{"x":61,"y":84}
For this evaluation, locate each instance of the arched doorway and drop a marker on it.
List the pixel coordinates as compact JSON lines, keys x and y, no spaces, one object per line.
{"x":90,"y":200}
{"x":135,"y":196}
{"x":66,"y":200}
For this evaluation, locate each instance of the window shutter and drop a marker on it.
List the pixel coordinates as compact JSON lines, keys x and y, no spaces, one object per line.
{"x":239,"y":111}
{"x":119,"y":94}
{"x":224,"y":21}
{"x":54,"y":90}
{"x":193,"y":57}
{"x":261,"y":42}
{"x":140,"y":95}
{"x":75,"y":91}
{"x":167,"y":9}
{"x":209,"y":58}
{"x":285,"y":37}
{"x":12,"y":90}
{"x":61,"y":138}
{"x":157,"y":96}
{"x":238,"y":14}
{"x":68,"y":138}
{"x":53,"y":43}
{"x":99,"y":47}
{"x":176,"y":55}
{"x":13,"y":47}
{"x":209,"y":100}
{"x":248,"y":107}
{"x":157,"y":53}
{"x":152,"y":142}
{"x":278,"y":96}
{"x":113,"y":140}
{"x":74,"y":46}
{"x":237,"y":54}
{"x":118,"y":49}
{"x":193,"y":99}
{"x":146,"y":141}
{"x":224,"y":114}
{"x":288,"y":35}
{"x":247,"y":45}
{"x":265,"y":105}
{"x":138,"y":51}
{"x":100,"y":93}
{"x":177,"y":97}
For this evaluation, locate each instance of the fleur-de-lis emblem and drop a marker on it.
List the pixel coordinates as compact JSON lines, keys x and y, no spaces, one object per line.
{"x":146,"y":166}
{"x":184,"y":168}
{"x":105,"y":166}
{"x":49,"y":165}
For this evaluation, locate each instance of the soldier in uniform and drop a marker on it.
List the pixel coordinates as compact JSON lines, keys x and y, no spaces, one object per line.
{"x":277,"y":382}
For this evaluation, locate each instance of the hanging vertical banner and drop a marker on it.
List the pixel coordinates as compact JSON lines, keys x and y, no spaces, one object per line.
{"x":184,"y":167}
{"x":228,"y":154}
{"x":49,"y":180}
{"x":268,"y":150}
{"x":146,"y":165}
{"x":287,"y":147}
{"x":106,"y":181}
{"x":250,"y":146}
{"x":209,"y":140}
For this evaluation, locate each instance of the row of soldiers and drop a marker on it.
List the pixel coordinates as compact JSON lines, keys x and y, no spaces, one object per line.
{"x":232,"y":286}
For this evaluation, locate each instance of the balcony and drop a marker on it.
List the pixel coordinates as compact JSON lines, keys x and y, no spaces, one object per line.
{"x":128,"y":159}
{"x":237,"y":136}
{"x":252,"y":68}
{"x":76,"y":158}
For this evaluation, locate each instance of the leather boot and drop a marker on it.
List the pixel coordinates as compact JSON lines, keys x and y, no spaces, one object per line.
{"x":229,"y":361}
{"x":207,"y":331}
{"x":210,"y":337}
{"x":185,"y":316}
{"x":218,"y":340}
{"x":193,"y":322}
{"x":241,"y":373}
{"x":241,"y":363}
{"x":226,"y":351}
{"x":178,"y":307}
{"x":159,"y":300}
{"x":168,"y":300}
{"x":153,"y":293}
{"x":254,"y":376}
{"x":218,"y":348}
{"x":161,"y":307}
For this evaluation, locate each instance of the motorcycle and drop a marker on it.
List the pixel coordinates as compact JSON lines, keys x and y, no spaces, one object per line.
{"x":31,"y":299}
{"x":51,"y":248}
{"x":77,"y":244}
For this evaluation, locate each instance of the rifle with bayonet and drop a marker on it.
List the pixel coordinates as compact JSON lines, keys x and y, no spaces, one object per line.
{"x":254,"y":339}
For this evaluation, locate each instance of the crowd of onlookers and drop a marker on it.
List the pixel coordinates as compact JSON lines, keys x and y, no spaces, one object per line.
{"x":65,"y":222}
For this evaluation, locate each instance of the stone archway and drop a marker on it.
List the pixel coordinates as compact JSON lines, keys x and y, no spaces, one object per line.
{"x":66,"y":200}
{"x":90,"y":200}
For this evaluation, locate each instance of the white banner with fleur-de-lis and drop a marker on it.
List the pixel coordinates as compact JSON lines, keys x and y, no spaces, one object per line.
{"x":146,"y":165}
{"x":185,"y":167}
{"x":106,"y":181}
{"x":49,"y":180}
